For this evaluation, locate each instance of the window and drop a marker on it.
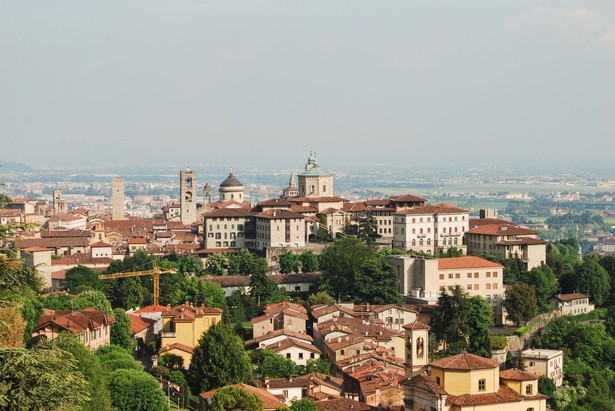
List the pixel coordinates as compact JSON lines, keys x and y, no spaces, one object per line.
{"x":441,"y":276}
{"x":285,"y":393}
{"x":288,"y":355}
{"x":469,"y":286}
{"x":438,"y":380}
{"x":469,"y":275}
{"x":528,"y":389}
{"x":488,"y":274}
{"x":450,"y":276}
{"x":475,"y":275}
{"x":300,"y":355}
{"x":312,"y":355}
{"x":482,"y":384}
{"x":341,"y":352}
{"x":457,"y":275}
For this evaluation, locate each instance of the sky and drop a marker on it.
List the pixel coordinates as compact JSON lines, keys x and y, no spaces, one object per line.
{"x":265,"y":82}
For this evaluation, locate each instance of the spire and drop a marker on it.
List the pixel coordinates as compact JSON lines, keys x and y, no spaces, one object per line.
{"x":230,"y":170}
{"x":291,"y":181}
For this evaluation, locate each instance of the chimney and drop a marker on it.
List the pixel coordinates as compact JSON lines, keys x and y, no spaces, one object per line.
{"x":266,"y":381}
{"x":68,"y":323}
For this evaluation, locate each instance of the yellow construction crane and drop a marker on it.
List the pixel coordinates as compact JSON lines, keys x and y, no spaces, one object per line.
{"x":154,"y":272}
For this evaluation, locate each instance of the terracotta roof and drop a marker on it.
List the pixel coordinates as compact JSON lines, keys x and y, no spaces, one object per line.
{"x":65,"y":217}
{"x":54,"y":242}
{"x":329,"y":211}
{"x":354,"y":207}
{"x":306,"y":380}
{"x":281,"y":214}
{"x":295,"y":208}
{"x":291,"y":342}
{"x":571,"y":297}
{"x":425,"y":379}
{"x":517,"y":375}
{"x":522,"y":241}
{"x":342,"y":404}
{"x":343,"y":342}
{"x":275,"y":202}
{"x":277,"y":333}
{"x":100,"y":244}
{"x":137,"y":241}
{"x":229,"y":212}
{"x":37,"y":249}
{"x":59,"y":275}
{"x":81,"y":259}
{"x":477,"y":222}
{"x":407,"y":198}
{"x":74,"y":321}
{"x":186,"y":312}
{"x":152,"y":309}
{"x":503,"y":395}
{"x":501,"y":229}
{"x":176,"y":346}
{"x":415,"y":326}
{"x":440,"y":208}
{"x":138,"y":324}
{"x":324,"y":199}
{"x":465,"y":361}
{"x":466,"y":261}
{"x":270,"y":401}
{"x":65,"y":233}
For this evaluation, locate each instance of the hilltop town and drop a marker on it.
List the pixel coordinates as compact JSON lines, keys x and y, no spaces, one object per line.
{"x":303,"y":300}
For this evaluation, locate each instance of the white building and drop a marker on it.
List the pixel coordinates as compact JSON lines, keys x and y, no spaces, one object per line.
{"x":422,"y":279}
{"x":549,"y":363}
{"x":432,"y":229}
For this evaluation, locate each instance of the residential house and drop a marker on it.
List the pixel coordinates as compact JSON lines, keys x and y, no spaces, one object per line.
{"x":270,"y":401}
{"x":285,"y":315}
{"x":183,"y":326}
{"x":314,"y":385}
{"x":572,"y":304}
{"x":549,"y":363}
{"x":93,"y":327}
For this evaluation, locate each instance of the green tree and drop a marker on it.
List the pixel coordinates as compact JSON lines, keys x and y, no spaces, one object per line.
{"x":479,"y":319}
{"x":263,"y":288}
{"x":40,"y":379}
{"x":274,"y":365}
{"x":114,"y":357}
{"x":321,"y":297}
{"x":217,"y":264}
{"x":608,"y":263}
{"x":449,"y":323}
{"x":546,"y":386}
{"x":235,"y":398}
{"x":367,"y":228}
{"x":544,"y":281}
{"x":94,"y":299}
{"x":92,"y":369}
{"x":243,"y":262}
{"x":377,"y":282}
{"x":319,"y":365}
{"x":131,"y":292}
{"x":520,"y":302}
{"x":120,"y":331}
{"x":82,"y":276}
{"x":593,"y":279}
{"x":12,"y":327}
{"x":134,"y":390}
{"x":453,"y":252}
{"x":303,"y":404}
{"x":289,"y":262}
{"x":220,"y":359}
{"x":341,"y":264}
{"x":189,"y":265}
{"x":309,"y":262}
{"x":171,"y":361}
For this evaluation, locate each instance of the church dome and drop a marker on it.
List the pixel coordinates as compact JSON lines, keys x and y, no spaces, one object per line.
{"x":231,"y":181}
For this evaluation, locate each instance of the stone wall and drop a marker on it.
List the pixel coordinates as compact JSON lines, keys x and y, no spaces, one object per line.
{"x":516,"y":343}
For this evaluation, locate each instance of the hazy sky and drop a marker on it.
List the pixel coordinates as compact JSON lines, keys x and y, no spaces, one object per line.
{"x":264,"y":82}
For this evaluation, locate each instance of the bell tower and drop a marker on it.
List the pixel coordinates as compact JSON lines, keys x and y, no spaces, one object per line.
{"x":187,"y":196}
{"x":417,"y":347}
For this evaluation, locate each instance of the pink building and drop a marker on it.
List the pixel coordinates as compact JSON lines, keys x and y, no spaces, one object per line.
{"x":93,"y":327}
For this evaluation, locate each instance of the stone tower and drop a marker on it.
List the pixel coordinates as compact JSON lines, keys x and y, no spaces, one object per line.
{"x":117,"y":199}
{"x":292,"y":190}
{"x":314,"y":181}
{"x":206,"y":194}
{"x":187,"y":196}
{"x":417,"y":347}
{"x":59,"y":205}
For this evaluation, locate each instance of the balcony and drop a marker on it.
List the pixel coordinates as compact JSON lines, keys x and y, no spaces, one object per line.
{"x":167,"y":335}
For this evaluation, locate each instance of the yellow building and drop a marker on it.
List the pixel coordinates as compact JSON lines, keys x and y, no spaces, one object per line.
{"x":469,"y":382}
{"x":182,"y":327}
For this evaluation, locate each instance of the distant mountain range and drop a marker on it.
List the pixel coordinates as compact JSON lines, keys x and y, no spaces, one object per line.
{"x":8,"y":167}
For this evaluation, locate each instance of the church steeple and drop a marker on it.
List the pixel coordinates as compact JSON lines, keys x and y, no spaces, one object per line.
{"x":292,"y":190}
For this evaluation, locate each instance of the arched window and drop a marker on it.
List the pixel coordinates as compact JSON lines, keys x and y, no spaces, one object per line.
{"x":429,"y":241}
{"x":421,"y":242}
{"x":413,"y":242}
{"x":419,"y":347}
